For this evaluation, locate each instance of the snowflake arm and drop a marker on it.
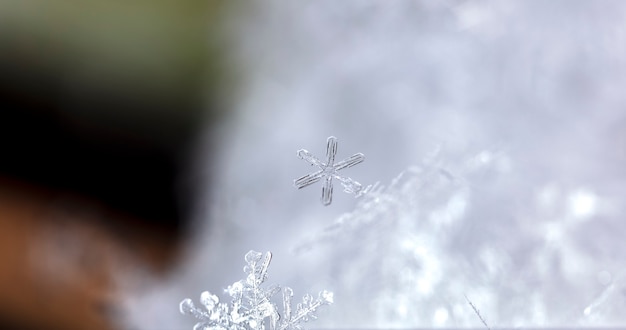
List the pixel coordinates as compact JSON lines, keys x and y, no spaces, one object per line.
{"x":350,"y":186}
{"x":331,"y":150}
{"x":306,"y":155}
{"x":305,"y":310}
{"x":349,"y":162}
{"x":308,"y":179}
{"x":327,"y":190}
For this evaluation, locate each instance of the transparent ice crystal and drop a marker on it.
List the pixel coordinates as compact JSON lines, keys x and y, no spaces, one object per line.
{"x":329,"y":170}
{"x":251,"y":306}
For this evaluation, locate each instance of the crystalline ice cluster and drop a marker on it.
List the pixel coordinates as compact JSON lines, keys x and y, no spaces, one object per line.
{"x":251,"y":306}
{"x":448,"y":245}
{"x":330,"y":170}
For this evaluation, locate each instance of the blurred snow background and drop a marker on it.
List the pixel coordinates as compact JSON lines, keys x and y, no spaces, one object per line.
{"x":496,"y":132}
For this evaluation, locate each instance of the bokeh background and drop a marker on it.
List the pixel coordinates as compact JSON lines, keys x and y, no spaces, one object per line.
{"x":508,"y":122}
{"x":495,"y":144}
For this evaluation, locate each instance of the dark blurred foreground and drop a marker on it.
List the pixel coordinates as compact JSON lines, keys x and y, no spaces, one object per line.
{"x":101,"y":103}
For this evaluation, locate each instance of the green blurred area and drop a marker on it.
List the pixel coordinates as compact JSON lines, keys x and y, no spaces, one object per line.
{"x":145,"y":61}
{"x":112,"y":88}
{"x":102,"y":101}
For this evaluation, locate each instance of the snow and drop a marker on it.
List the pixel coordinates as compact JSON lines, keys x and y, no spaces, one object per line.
{"x":496,"y":131}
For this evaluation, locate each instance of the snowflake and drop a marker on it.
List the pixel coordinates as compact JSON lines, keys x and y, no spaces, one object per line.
{"x":329,"y":170}
{"x":251,"y":306}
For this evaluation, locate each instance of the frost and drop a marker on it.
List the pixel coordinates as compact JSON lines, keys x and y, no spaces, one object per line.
{"x":251,"y":306}
{"x":329,"y":170}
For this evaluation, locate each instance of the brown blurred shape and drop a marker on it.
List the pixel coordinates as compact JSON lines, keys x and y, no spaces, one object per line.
{"x":64,"y":266}
{"x":101,"y":103}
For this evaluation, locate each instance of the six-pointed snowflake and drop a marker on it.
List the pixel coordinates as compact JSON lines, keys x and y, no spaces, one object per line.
{"x":329,"y":170}
{"x":251,"y":306}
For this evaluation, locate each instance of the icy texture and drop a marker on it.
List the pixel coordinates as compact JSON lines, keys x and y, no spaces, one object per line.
{"x":251,"y":306}
{"x":329,"y":170}
{"x":523,"y":212}
{"x":429,"y":243}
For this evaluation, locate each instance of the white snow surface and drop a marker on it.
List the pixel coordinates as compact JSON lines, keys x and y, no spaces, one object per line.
{"x":494,"y":131}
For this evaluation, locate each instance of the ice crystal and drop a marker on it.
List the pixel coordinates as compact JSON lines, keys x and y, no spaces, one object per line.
{"x":251,"y":306}
{"x":329,"y":170}
{"x":478,"y":314}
